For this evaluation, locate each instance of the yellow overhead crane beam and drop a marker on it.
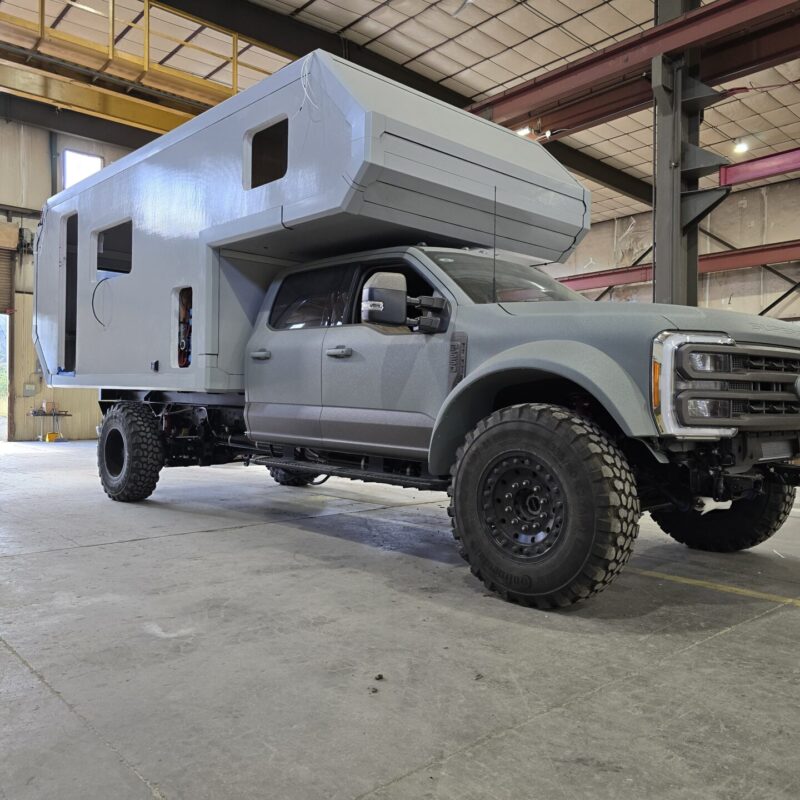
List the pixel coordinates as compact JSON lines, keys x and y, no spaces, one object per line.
{"x":32,"y":37}
{"x":85,"y":98}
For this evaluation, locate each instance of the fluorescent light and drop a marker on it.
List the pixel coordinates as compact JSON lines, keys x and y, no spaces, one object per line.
{"x":740,"y":146}
{"x":526,"y":131}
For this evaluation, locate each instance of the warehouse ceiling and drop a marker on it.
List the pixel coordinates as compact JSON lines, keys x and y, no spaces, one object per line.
{"x":480,"y":47}
{"x":483,"y":47}
{"x":475,"y":48}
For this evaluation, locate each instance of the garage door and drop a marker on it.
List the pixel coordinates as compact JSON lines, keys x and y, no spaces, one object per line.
{"x":7,"y":261}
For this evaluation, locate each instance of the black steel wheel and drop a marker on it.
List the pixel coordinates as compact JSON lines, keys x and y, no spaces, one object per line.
{"x":130,"y":452}
{"x":523,"y":505}
{"x":543,"y":504}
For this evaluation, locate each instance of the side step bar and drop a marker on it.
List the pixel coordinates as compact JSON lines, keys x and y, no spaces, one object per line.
{"x":428,"y":482}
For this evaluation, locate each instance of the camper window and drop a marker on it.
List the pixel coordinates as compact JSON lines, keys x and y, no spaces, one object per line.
{"x":115,"y":248}
{"x":269,"y":154}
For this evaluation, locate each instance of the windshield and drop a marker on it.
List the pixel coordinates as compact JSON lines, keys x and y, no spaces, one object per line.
{"x":515,"y":282}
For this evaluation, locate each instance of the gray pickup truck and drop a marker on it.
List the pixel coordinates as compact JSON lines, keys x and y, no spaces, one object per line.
{"x":552,"y":422}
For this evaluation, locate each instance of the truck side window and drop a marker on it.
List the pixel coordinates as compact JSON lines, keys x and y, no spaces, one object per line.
{"x":310,"y":299}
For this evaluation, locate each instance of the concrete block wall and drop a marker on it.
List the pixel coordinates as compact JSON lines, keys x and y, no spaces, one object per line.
{"x":746,"y":218}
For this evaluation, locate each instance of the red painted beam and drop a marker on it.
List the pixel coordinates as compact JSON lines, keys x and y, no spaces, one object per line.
{"x":779,"y":253}
{"x":757,"y":169}
{"x":591,"y":78}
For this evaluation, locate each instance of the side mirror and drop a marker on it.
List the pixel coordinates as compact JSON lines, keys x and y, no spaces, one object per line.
{"x":384,"y":299}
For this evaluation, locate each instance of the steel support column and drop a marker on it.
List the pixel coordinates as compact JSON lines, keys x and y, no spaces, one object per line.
{"x":679,"y":162}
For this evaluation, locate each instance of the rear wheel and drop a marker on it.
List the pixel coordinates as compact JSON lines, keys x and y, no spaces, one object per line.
{"x":130,"y":452}
{"x":745,"y":524}
{"x":287,"y":477}
{"x":544,"y":505}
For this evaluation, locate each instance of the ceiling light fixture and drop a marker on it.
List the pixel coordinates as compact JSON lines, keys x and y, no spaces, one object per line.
{"x":740,"y":146}
{"x":463,"y":5}
{"x":526,"y":131}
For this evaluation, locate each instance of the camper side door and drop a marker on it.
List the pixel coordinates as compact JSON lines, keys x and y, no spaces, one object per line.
{"x":283,"y":389}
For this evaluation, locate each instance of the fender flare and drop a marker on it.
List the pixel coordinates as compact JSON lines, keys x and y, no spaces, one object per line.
{"x":582,"y":364}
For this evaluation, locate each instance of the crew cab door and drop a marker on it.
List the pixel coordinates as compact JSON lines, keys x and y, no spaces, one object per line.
{"x":282,"y":361}
{"x":382,"y":386}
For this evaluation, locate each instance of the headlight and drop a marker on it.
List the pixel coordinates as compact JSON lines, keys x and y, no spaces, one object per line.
{"x":663,"y":389}
{"x":710,"y":362}
{"x":708,"y":409}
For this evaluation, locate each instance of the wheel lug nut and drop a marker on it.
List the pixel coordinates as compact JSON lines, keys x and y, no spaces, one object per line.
{"x":508,"y":509}
{"x":515,"y":485}
{"x":508,"y":495}
{"x":526,"y":484}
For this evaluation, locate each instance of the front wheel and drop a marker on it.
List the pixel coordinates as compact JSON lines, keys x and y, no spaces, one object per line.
{"x":544,"y":505}
{"x":745,"y":524}
{"x":130,"y":452}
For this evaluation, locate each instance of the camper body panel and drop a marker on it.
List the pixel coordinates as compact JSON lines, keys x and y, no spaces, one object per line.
{"x":188,"y":220}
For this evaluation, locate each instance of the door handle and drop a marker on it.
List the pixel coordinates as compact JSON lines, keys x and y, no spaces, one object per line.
{"x":339,"y":352}
{"x":260,"y":355}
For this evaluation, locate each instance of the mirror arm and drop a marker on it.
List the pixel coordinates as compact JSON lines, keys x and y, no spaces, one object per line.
{"x":426,"y":324}
{"x":427,"y":302}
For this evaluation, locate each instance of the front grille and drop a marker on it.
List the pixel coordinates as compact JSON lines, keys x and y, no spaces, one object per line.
{"x":760,"y":385}
{"x":746,"y":362}
{"x":782,"y":407}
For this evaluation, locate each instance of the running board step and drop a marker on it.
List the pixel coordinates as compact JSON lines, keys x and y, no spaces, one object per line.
{"x":354,"y":473}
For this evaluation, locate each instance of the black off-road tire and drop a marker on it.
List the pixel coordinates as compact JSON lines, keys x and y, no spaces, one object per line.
{"x":745,"y":524}
{"x":286,"y":477}
{"x":564,"y":455}
{"x":130,"y":452}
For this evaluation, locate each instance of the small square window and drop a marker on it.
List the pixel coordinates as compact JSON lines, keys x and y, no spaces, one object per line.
{"x":78,"y":166}
{"x":269,"y":153}
{"x":115,"y":248}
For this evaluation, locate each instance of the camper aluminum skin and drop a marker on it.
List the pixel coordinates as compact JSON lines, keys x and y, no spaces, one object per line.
{"x":307,"y":329}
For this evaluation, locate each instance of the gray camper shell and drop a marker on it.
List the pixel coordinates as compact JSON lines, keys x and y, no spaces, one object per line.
{"x":320,"y":159}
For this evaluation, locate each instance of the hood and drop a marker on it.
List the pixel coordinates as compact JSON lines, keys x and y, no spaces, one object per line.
{"x":741,"y":327}
{"x":644,"y":316}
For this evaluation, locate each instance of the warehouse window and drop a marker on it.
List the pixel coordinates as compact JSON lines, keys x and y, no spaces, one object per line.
{"x":115,"y":248}
{"x":269,"y":153}
{"x":78,"y":166}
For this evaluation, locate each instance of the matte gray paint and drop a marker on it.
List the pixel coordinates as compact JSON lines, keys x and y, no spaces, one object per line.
{"x":370,"y":163}
{"x":583,"y":364}
{"x":392,"y":393}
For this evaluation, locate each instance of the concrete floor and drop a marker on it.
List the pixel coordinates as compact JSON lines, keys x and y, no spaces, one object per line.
{"x":222,"y":640}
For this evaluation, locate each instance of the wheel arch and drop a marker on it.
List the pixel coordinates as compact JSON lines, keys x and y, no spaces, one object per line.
{"x":550,"y":371}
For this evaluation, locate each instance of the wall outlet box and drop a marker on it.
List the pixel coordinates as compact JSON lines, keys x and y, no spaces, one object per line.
{"x":28,"y":389}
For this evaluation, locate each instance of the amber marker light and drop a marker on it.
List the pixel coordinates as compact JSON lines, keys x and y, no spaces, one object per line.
{"x":656,"y":394}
